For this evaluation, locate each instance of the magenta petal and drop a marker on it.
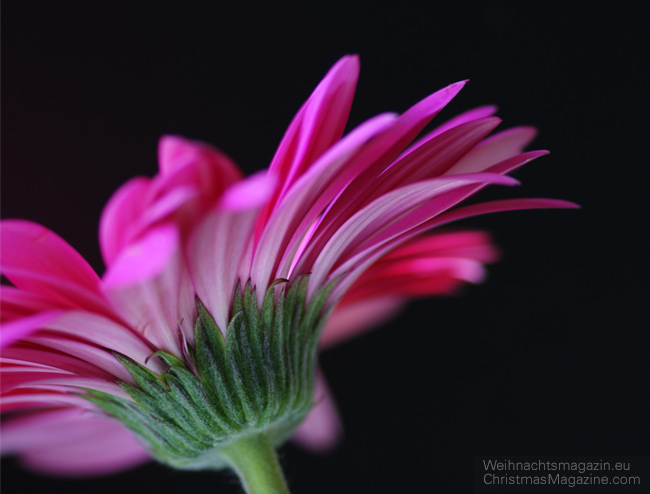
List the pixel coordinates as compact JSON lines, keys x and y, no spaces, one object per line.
{"x":349,"y":320}
{"x":175,"y":153}
{"x":435,"y":156}
{"x":101,"y":333}
{"x":61,"y":293}
{"x":470,"y":244}
{"x":71,"y":442}
{"x":322,"y":428}
{"x":392,"y":215}
{"x":19,"y":329}
{"x":168,"y":204}
{"x":160,"y":307}
{"x":468,"y":116}
{"x":144,"y":259}
{"x":45,"y":358}
{"x":494,"y":149}
{"x":305,"y":201}
{"x":18,"y":303}
{"x":319,"y":123}
{"x":377,"y":155}
{"x":119,"y":218}
{"x":503,"y":205}
{"x":218,"y":245}
{"x":53,"y":396}
{"x":252,"y":192}
{"x":33,"y":248}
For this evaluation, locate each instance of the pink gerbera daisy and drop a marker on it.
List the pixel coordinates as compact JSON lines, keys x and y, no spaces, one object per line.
{"x":204,"y":328}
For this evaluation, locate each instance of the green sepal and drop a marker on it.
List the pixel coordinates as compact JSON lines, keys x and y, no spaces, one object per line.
{"x":259,"y":379}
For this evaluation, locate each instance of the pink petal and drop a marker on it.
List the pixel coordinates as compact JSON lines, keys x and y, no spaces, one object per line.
{"x":118,"y":223}
{"x":392,"y":215}
{"x":60,"y":292}
{"x":175,"y":153}
{"x":350,"y":320}
{"x":322,"y":428}
{"x":215,"y":254}
{"x":468,"y":116}
{"x":497,"y":206}
{"x":167,"y":204}
{"x":196,"y":166}
{"x":18,"y":303}
{"x":47,"y":359}
{"x":377,"y":155}
{"x":307,"y":198}
{"x":495,"y":149}
{"x":144,"y":259}
{"x":72,"y":442}
{"x":417,"y":277}
{"x":252,"y":192}
{"x":20,"y":329}
{"x":433,"y":157}
{"x":471,"y":244}
{"x":318,"y":124}
{"x":84,"y":351}
{"x":14,"y":378}
{"x":356,"y":265}
{"x":100,"y":333}
{"x":22,"y":400}
{"x":160,"y":307}
{"x":28,"y":247}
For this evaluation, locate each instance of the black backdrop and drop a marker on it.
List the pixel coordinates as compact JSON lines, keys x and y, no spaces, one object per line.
{"x":548,"y":357}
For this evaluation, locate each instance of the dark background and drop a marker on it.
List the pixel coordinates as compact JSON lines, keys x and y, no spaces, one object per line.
{"x":548,"y":357}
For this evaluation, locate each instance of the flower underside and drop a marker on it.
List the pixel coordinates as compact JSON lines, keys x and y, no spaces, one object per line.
{"x":260,"y":379}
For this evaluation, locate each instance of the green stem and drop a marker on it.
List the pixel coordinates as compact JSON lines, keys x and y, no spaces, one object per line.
{"x":256,"y":463}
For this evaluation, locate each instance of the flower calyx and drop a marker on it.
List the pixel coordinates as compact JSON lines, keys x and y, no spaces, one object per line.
{"x":258,"y":380}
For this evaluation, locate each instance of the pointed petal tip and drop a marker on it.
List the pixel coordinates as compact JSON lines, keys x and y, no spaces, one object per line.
{"x":348,"y":63}
{"x":488,"y":177}
{"x":567,"y":204}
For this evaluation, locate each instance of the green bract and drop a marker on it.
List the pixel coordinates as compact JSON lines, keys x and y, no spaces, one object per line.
{"x":260,"y":380}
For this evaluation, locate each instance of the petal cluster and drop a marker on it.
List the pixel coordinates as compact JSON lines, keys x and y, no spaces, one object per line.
{"x":355,"y":209}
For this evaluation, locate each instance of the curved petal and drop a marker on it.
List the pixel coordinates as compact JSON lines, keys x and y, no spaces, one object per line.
{"x":71,"y":442}
{"x":494,"y":149}
{"x":351,"y":319}
{"x":118,"y":222}
{"x":252,"y":192}
{"x":161,"y":307}
{"x":308,"y":197}
{"x":31,"y":248}
{"x":18,"y":303}
{"x":375,"y":157}
{"x":19,"y":329}
{"x":317,"y":125}
{"x":144,"y":259}
{"x":392,"y":215}
{"x":322,"y":428}
{"x":215,"y":253}
{"x":175,"y":153}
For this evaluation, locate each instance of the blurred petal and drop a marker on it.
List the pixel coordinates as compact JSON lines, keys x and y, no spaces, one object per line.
{"x":144,"y":259}
{"x":252,"y":192}
{"x":119,"y":220}
{"x":351,"y":319}
{"x":71,"y":442}
{"x":21,"y":328}
{"x":322,"y":428}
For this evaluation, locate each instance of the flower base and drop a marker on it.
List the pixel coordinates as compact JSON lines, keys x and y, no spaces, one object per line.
{"x":203,"y":412}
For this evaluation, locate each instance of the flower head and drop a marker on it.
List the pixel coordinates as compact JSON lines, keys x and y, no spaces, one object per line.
{"x":218,"y":288}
